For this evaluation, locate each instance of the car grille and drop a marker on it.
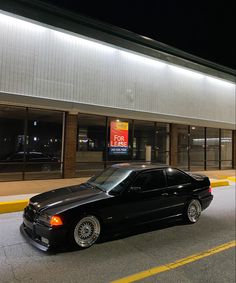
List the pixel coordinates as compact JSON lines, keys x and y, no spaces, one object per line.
{"x":30,"y":213}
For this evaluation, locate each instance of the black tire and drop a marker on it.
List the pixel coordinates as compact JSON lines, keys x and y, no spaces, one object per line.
{"x":193,"y":211}
{"x":85,"y":232}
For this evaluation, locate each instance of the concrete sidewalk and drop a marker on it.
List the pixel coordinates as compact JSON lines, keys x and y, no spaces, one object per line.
{"x":219,"y":174}
{"x":14,"y":195}
{"x":36,"y":186}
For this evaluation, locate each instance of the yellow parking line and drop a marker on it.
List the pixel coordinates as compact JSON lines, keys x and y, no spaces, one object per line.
{"x":173,"y":265}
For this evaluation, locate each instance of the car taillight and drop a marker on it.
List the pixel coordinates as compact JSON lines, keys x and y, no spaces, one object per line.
{"x":210,"y":190}
{"x":56,"y":221}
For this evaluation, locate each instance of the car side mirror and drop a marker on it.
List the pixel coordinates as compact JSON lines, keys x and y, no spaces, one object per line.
{"x":135,"y":189}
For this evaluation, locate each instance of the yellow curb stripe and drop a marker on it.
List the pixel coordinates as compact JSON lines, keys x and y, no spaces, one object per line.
{"x":219,"y":183}
{"x":13,"y":206}
{"x":173,"y":265}
{"x":232,"y":179}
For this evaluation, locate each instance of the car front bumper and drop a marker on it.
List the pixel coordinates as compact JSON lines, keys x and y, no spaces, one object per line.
{"x":43,"y":237}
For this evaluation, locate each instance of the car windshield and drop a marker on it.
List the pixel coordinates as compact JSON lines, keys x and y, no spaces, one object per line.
{"x":110,"y":178}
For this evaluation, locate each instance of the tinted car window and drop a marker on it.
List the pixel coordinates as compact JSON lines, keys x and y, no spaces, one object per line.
{"x":110,"y":179}
{"x":151,"y":180}
{"x":175,"y":177}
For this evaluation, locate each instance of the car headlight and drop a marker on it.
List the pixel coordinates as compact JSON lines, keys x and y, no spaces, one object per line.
{"x":44,"y":218}
{"x":54,"y":220}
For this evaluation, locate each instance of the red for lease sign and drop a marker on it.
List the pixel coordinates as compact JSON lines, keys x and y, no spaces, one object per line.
{"x":119,"y":137}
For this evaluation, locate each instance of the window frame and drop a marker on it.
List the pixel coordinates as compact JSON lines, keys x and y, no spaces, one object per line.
{"x":179,"y":171}
{"x":150,"y":171}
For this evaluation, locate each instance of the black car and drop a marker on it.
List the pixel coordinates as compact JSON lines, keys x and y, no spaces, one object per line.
{"x":120,"y":196}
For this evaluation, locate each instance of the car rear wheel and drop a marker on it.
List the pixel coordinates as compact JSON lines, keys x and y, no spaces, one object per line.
{"x":86,"y":231}
{"x":193,"y":211}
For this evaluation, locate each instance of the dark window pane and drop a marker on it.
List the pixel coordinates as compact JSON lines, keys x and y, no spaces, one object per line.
{"x":179,"y":145}
{"x":16,"y":157}
{"x":91,"y":136}
{"x":161,"y":154}
{"x":212,"y":148}
{"x":141,"y":180}
{"x":143,"y":135}
{"x":175,"y":177}
{"x":197,"y":146}
{"x":44,"y":148}
{"x":91,"y":144}
{"x":226,"y":149}
{"x":151,"y":180}
{"x":110,"y":178}
{"x":12,"y":142}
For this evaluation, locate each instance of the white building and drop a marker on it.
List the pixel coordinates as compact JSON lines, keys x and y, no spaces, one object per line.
{"x":64,"y":79}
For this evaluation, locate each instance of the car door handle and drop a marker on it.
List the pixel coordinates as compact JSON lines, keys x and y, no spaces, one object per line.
{"x":165,"y":194}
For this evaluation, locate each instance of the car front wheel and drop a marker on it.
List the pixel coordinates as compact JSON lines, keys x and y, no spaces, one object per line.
{"x":193,"y":211}
{"x":86,"y":231}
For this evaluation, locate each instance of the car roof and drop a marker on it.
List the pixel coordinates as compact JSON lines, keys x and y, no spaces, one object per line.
{"x":140,"y":166}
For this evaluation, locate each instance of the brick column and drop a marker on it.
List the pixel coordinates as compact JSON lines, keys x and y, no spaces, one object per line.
{"x":234,"y":149}
{"x":70,"y":145}
{"x":173,"y":144}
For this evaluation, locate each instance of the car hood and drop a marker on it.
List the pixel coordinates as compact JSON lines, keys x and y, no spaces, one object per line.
{"x":64,"y":196}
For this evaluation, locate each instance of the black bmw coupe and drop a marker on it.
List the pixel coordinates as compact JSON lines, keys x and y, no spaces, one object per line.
{"x":120,"y":196}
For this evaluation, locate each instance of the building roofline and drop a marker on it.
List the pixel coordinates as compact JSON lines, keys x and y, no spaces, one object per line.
{"x":50,"y":14}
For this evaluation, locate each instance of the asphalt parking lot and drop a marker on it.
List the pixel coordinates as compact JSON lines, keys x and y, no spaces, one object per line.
{"x":126,"y":254}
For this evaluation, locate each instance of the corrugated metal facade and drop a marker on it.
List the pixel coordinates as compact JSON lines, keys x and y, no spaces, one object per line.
{"x":41,"y":62}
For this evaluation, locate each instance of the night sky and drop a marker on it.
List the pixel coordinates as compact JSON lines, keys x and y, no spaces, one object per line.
{"x":204,"y":28}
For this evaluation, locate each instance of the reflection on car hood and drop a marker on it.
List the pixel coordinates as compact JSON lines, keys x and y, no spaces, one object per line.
{"x":63,"y":196}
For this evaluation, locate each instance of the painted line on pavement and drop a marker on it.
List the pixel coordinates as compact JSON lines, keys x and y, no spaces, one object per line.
{"x":175,"y":264}
{"x":13,"y":206}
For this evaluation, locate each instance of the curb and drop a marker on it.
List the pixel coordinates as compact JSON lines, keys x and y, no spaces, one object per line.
{"x":13,"y":206}
{"x":219,"y":183}
{"x":233,"y":179}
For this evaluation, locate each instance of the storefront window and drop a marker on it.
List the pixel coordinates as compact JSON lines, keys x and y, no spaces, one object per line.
{"x":91,"y":144}
{"x":44,"y":144}
{"x":12,"y":142}
{"x":212,"y":148}
{"x":226,"y":149}
{"x":182,"y":146}
{"x":126,"y":141}
{"x":144,"y":134}
{"x":197,"y":148}
{"x":31,"y":142}
{"x":162,"y":145}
